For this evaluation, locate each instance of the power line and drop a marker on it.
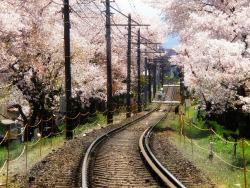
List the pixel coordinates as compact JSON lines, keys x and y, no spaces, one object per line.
{"x":143,"y":38}
{"x":99,"y":10}
{"x":117,"y":6}
{"x":98,"y":33}
{"x":133,"y":7}
{"x":96,"y":26}
{"x":82,"y":11}
{"x":56,"y":3}
{"x":82,"y":18}
{"x":116,"y":25}
{"x":91,"y":9}
{"x":85,"y":21}
{"x":134,"y":10}
{"x":117,"y":28}
{"x":87,"y":2}
{"x":124,"y":15}
{"x":133,"y":21}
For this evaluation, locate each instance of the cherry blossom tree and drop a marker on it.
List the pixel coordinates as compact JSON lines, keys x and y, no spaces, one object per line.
{"x":31,"y":46}
{"x":214,"y":50}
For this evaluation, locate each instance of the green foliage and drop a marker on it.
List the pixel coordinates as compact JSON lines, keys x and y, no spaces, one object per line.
{"x":194,"y":103}
{"x":15,"y":151}
{"x":3,"y":129}
{"x":98,"y":120}
{"x":169,"y":77}
{"x":220,"y":172}
{"x":34,"y":151}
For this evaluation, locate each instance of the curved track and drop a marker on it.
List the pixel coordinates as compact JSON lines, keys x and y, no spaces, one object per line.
{"x":176,"y":171}
{"x":151,"y":160}
{"x":166,"y":177}
{"x":117,"y":162}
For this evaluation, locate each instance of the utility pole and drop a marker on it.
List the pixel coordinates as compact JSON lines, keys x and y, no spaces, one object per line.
{"x":129,"y":67}
{"x":128,"y":80}
{"x":159,"y":76}
{"x":109,"y":70}
{"x":162,"y":72}
{"x":149,"y":83}
{"x":139,"y":70}
{"x":69,"y":133}
{"x":146,"y":82}
{"x":182,"y":85}
{"x":154,"y":79}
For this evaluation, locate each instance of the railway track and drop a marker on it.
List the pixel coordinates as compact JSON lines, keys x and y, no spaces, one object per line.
{"x":168,"y":179}
{"x":176,"y":171}
{"x":114,"y":160}
{"x":117,"y":162}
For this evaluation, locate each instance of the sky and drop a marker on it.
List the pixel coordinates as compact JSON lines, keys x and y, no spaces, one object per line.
{"x":137,"y":6}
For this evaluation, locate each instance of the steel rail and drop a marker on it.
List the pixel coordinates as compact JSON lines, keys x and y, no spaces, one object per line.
{"x":153,"y":162}
{"x":98,"y":141}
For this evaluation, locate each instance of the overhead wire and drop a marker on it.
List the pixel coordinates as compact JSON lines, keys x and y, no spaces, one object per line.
{"x":56,"y":2}
{"x":111,"y":19}
{"x":89,"y":8}
{"x":117,"y":6}
{"x":99,"y":10}
{"x":85,"y":21}
{"x":82,"y":18}
{"x":87,"y":2}
{"x":99,"y":31}
{"x":125,"y":16}
{"x":114,"y":24}
{"x":82,"y":11}
{"x":95,"y":4}
{"x":118,"y":28}
{"x":146,"y":40}
{"x":131,"y":19}
{"x":133,"y":7}
{"x":85,"y":7}
{"x":134,"y":10}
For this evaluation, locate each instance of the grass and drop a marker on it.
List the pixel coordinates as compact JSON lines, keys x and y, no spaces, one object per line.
{"x":149,"y":107}
{"x":44,"y":147}
{"x":171,"y":79}
{"x":33,"y":156}
{"x":41,"y":149}
{"x":221,"y":172}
